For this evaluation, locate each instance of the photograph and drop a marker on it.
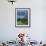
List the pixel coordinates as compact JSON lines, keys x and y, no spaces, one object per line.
{"x":22,"y":17}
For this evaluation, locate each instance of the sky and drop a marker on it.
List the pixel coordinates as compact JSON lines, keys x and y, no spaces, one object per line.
{"x":22,"y":13}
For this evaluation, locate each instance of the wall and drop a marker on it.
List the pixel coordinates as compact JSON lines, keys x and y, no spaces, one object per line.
{"x":8,"y":31}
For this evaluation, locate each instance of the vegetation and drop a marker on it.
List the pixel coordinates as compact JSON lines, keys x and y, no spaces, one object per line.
{"x":23,"y":21}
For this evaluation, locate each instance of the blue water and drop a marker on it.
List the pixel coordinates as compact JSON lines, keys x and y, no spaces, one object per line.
{"x":20,"y":17}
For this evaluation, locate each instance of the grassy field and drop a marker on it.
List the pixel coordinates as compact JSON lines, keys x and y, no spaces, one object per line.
{"x":19,"y":23}
{"x":22,"y":21}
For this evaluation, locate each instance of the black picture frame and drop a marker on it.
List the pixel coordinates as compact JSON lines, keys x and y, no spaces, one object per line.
{"x":22,"y":17}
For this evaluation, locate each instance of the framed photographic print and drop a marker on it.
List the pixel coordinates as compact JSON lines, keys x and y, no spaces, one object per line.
{"x":22,"y":17}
